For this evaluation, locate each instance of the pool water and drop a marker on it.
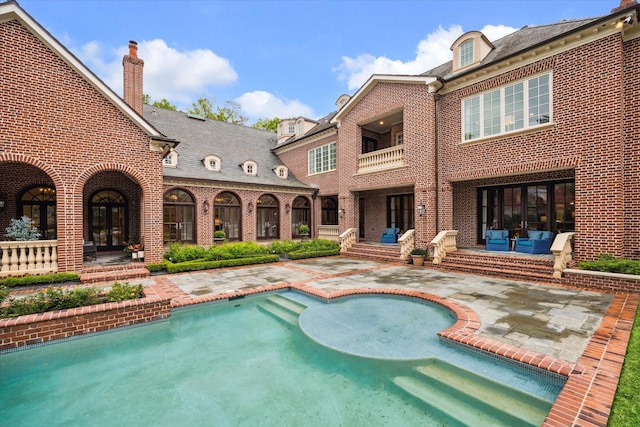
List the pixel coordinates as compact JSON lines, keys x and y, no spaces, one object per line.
{"x":226,"y":364}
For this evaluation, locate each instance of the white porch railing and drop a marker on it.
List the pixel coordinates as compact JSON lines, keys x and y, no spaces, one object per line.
{"x":387,"y":158}
{"x":407,"y":243}
{"x":562,"y":249}
{"x":328,"y":232}
{"x":444,"y":242}
{"x":347,"y":239}
{"x":30,"y":257}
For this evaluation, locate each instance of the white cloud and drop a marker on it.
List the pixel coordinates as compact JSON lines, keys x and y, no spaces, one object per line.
{"x":434,"y":50}
{"x":261,"y":104}
{"x":179,"y":76}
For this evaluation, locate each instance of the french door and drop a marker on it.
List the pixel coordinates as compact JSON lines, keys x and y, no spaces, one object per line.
{"x":108,"y":221}
{"x":520,"y":208}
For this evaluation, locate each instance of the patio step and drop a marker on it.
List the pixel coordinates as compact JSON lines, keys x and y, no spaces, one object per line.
{"x":462,"y":397}
{"x":375,"y":252}
{"x":112,"y":273}
{"x":531,"y":268}
{"x":282,"y":308}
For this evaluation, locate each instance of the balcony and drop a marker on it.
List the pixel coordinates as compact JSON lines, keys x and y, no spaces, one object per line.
{"x":381,"y":160}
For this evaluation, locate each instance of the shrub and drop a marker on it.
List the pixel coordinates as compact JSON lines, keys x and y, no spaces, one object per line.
{"x":419,"y":252}
{"x":49,"y":300}
{"x":208,"y":265}
{"x":161,"y":266}
{"x":46,"y":279}
{"x":180,"y":253}
{"x":609,"y":263}
{"x":219,"y":234}
{"x":284,"y":246}
{"x":4,"y":294}
{"x":124,"y":291}
{"x":22,"y":229}
{"x":304,"y":229}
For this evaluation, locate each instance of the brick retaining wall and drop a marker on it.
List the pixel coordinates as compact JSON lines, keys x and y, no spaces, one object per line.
{"x":608,"y":282}
{"x":38,"y":328}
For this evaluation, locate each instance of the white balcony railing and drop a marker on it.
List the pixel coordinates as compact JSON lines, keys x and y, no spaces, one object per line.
{"x":30,"y":257}
{"x":388,"y":158}
{"x":329,"y":232}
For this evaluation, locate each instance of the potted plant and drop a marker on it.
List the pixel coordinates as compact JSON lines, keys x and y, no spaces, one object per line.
{"x":219,"y":236}
{"x":418,"y":255}
{"x":304,"y":231}
{"x":134,"y":248}
{"x":22,"y":229}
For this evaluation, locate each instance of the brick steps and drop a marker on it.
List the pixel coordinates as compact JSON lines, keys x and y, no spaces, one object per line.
{"x":526,"y":268}
{"x":114,"y":273}
{"x":375,"y":252}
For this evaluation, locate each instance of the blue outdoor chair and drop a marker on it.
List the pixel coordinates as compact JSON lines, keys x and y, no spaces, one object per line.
{"x":497,"y":240}
{"x":390,"y":235}
{"x":538,"y":242}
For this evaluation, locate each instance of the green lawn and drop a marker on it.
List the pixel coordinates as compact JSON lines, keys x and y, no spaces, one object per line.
{"x":626,"y":404}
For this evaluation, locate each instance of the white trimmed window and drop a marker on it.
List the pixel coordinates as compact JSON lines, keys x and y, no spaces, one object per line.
{"x":282,"y":172}
{"x":250,"y":167}
{"x":212,"y":163}
{"x":466,"y":53}
{"x":171,"y":160}
{"x":300,"y":127}
{"x":322,"y":159}
{"x":399,"y":138}
{"x":292,"y":127}
{"x":518,"y":106}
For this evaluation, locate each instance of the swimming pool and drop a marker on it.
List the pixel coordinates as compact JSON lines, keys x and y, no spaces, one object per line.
{"x":232,"y":364}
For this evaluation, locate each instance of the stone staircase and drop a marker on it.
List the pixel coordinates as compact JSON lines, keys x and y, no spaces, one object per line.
{"x":463,"y":398}
{"x":282,"y":308}
{"x":375,"y":252}
{"x":524,"y":267}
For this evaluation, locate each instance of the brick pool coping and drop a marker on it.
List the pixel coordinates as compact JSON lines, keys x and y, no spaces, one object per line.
{"x":585,"y":399}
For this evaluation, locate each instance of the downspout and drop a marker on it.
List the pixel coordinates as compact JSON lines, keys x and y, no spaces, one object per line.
{"x":435,"y":153}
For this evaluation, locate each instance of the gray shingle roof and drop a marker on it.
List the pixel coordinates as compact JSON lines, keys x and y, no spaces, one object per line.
{"x":514,"y":43}
{"x":233,"y":144}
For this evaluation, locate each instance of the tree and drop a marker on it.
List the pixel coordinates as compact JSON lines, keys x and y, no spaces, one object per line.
{"x":267,"y":124}
{"x":164,"y":103}
{"x":230,"y":112}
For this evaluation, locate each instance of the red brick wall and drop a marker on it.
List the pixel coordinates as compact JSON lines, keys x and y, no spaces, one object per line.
{"x":418,"y":131}
{"x":204,"y":221}
{"x":40,"y":328}
{"x":586,"y":138}
{"x":631,"y":132}
{"x":56,"y":124}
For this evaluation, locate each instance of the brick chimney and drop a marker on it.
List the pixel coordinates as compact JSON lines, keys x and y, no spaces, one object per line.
{"x":132,"y":78}
{"x":624,"y":4}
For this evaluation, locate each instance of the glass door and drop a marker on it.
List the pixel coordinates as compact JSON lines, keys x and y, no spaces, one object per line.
{"x":108,"y":221}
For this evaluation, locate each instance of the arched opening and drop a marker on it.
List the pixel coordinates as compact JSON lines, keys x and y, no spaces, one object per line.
{"x":178,"y":216}
{"x":267,"y":223}
{"x":39,"y":204}
{"x":300,"y":214}
{"x":109,"y":220}
{"x":227,"y":215}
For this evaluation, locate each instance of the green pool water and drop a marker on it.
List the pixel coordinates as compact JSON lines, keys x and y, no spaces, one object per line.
{"x":227,"y":364}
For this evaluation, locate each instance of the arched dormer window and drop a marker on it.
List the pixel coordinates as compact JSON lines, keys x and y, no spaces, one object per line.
{"x":282,"y":171}
{"x":171,"y":160}
{"x":250,"y":167}
{"x":212,"y":163}
{"x":469,"y":50}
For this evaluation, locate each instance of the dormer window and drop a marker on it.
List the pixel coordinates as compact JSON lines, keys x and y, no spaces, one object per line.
{"x":469,"y":50}
{"x":466,"y":53}
{"x":212,"y":163}
{"x":171,"y":160}
{"x":300,"y":127}
{"x":250,"y":167}
{"x":282,"y":172}
{"x":292,"y":128}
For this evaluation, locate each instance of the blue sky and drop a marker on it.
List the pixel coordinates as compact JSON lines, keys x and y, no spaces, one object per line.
{"x":281,"y":58}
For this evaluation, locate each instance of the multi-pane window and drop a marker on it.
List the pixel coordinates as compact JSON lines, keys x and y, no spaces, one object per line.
{"x":292,"y":127}
{"x":300,"y":128}
{"x":322,"y":159}
{"x":521,"y":105}
{"x":466,"y":53}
